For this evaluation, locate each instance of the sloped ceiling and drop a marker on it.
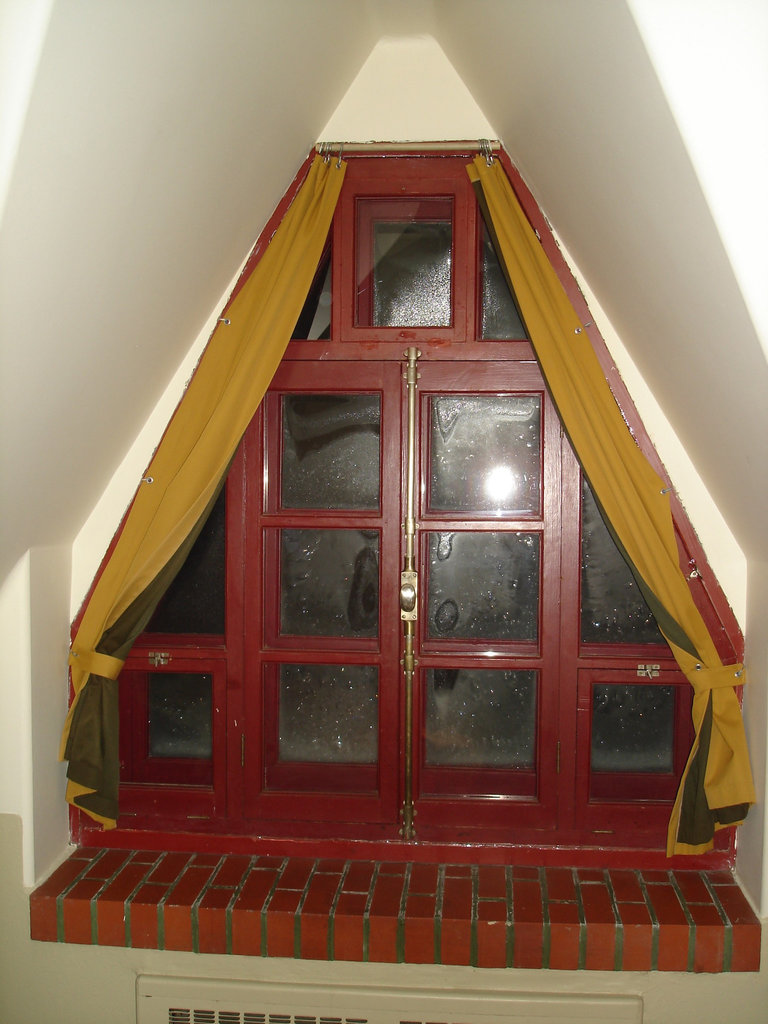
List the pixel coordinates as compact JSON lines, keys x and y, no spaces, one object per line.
{"x":160,"y":134}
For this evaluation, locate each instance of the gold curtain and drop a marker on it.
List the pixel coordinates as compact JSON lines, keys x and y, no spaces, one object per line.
{"x":716,"y":789}
{"x":183,"y":479}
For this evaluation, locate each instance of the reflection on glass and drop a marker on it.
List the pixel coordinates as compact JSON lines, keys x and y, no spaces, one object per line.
{"x":483,"y":586}
{"x":314,"y":322}
{"x":632,"y":728}
{"x":331,"y":451}
{"x":194,"y":602}
{"x":485,"y":453}
{"x":412,"y":274}
{"x":613,"y":610}
{"x":330,"y":583}
{"x":500,"y":318}
{"x":329,"y":713}
{"x":483,"y":717}
{"x":179,"y":714}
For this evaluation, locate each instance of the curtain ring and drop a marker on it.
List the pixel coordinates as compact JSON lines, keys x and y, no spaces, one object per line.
{"x":486,"y":151}
{"x":341,"y":150}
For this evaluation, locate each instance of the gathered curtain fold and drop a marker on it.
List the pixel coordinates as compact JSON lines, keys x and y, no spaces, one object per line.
{"x":183,"y":480}
{"x":716,"y":788}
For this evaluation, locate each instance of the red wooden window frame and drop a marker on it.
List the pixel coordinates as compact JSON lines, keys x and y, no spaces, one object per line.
{"x":250,"y":793}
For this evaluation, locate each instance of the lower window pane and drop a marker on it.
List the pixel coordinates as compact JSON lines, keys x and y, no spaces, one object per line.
{"x":329,"y":713}
{"x":179,"y":712}
{"x":632,"y":728}
{"x":481,"y":717}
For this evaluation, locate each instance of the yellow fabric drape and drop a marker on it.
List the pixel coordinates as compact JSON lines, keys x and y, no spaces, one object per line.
{"x":221,"y":399}
{"x":631,"y":495}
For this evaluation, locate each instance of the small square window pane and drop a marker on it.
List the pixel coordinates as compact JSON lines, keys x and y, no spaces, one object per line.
{"x":481,"y":718}
{"x":632,"y":728}
{"x":404,"y":263}
{"x":485,"y":453}
{"x":329,"y":713}
{"x":329,"y":583}
{"x":483,"y":586}
{"x":179,"y":713}
{"x":331,"y":451}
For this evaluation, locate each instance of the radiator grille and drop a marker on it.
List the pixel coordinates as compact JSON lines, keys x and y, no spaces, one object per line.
{"x":164,"y":1000}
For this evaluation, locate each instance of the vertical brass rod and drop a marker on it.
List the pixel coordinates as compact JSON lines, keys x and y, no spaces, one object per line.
{"x":408,"y":592}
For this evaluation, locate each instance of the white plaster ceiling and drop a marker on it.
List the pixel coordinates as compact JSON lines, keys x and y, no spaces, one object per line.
{"x":159,"y":135}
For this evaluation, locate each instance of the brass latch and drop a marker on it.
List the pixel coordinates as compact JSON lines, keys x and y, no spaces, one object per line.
{"x":648,"y":671}
{"x":157,"y":658}
{"x":409,"y":582}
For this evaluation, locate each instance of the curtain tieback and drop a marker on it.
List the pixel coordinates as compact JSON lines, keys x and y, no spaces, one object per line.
{"x":93,"y":663}
{"x":704,"y":679}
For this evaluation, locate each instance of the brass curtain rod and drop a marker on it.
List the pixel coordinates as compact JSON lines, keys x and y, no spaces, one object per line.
{"x":405,"y":147}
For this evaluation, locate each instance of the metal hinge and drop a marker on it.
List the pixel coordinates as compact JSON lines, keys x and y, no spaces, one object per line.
{"x":158,"y":658}
{"x":648,"y":671}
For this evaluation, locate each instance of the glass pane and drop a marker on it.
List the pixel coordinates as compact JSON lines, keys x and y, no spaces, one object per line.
{"x":632,"y":728}
{"x":404,"y":263}
{"x":329,"y":713}
{"x":481,"y":717}
{"x":179,"y":713}
{"x":194,"y":602}
{"x":483,"y":586}
{"x":315,"y":320}
{"x":613,"y":610}
{"x":331,"y":451}
{"x":330,"y":583}
{"x":500,"y":318}
{"x":485,"y":453}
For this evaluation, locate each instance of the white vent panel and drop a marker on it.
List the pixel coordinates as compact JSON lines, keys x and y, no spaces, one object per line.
{"x":163,"y":1000}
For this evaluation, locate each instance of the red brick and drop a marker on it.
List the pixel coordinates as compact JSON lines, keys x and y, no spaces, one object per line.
{"x":107,"y":865}
{"x":296,"y":874}
{"x":348,"y":926}
{"x":246,"y":932}
{"x":382,"y":939}
{"x":232,"y":870}
{"x":527,"y":901}
{"x":420,"y":929}
{"x":492,"y":933}
{"x":42,"y":902}
{"x":560,"y":885}
{"x":626,"y":887}
{"x":387,"y":895}
{"x":144,"y":915}
{"x":281,"y":922}
{"x":746,"y":928}
{"x":110,"y":907}
{"x":314,"y":936}
{"x":564,"y":930}
{"x":528,"y":944}
{"x":591,"y":874}
{"x":358,"y":878}
{"x":423,"y":878}
{"x":492,"y":882}
{"x":77,"y":910}
{"x":255,"y":890}
{"x":457,"y":899}
{"x":169,"y":868}
{"x":320,"y":894}
{"x":456,"y":941}
{"x":710,"y":938}
{"x":177,"y":909}
{"x":212,"y":920}
{"x":674,"y":932}
{"x":692,"y":887}
{"x":601,"y":928}
{"x":637,"y":931}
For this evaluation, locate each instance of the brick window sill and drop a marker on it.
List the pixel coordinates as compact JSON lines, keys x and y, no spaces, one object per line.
{"x":484,"y":916}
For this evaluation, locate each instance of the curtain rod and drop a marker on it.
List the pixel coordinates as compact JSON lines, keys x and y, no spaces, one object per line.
{"x":405,"y":147}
